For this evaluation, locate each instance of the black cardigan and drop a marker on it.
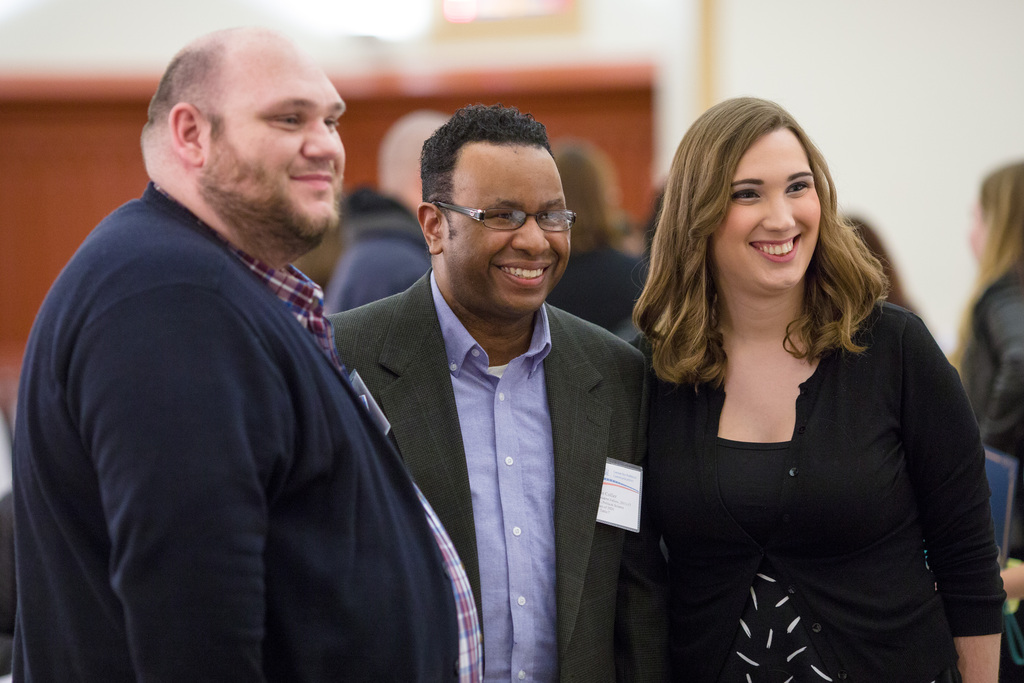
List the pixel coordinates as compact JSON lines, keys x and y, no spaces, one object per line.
{"x":887,"y":466}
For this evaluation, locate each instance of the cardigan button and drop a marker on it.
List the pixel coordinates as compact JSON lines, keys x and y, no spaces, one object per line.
{"x":842,"y":675}
{"x":801,"y":429}
{"x":793,"y":471}
{"x":816,"y":627}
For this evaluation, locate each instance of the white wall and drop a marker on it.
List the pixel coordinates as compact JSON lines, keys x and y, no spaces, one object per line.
{"x":140,"y":36}
{"x":912,"y":102}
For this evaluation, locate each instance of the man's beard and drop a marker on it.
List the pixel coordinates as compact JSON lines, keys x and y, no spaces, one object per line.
{"x":244,"y":197}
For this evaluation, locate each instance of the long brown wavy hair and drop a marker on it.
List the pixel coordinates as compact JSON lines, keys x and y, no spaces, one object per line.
{"x":678,"y":309}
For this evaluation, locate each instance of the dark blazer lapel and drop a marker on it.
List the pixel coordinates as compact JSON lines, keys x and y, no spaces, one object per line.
{"x":420,"y":403}
{"x":580,"y":425}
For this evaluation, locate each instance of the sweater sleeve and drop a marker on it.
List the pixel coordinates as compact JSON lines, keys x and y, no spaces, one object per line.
{"x":1002,"y":318}
{"x":946,"y":462}
{"x":183,"y":413}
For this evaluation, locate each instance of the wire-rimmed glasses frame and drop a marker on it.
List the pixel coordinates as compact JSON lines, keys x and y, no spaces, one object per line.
{"x":558,"y":220}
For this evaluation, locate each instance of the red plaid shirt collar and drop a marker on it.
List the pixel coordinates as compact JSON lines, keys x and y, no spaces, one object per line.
{"x":303,"y":297}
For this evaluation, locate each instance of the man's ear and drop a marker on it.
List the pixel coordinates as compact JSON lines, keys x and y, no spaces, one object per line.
{"x":190,"y":134}
{"x":432,"y":224}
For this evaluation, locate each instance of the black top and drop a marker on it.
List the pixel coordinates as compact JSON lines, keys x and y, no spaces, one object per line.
{"x":885,"y":462}
{"x":771,"y":644}
{"x":750,"y":481}
{"x":601,"y":287}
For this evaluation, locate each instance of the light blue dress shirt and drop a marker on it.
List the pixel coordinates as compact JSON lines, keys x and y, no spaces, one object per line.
{"x":506,"y":433}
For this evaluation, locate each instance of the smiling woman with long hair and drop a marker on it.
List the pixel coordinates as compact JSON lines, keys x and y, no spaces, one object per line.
{"x":810,"y":446}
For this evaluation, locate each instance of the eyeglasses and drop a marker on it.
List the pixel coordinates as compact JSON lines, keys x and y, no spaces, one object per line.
{"x":513,"y":219}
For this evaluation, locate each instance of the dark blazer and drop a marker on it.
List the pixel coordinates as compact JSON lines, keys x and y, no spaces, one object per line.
{"x":611,"y":615}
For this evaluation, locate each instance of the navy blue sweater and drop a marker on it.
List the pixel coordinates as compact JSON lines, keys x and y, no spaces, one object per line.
{"x":199,"y":496}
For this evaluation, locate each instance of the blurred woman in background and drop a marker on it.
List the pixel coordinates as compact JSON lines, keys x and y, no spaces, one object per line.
{"x":990,"y":353}
{"x":897,"y":293}
{"x":601,"y":282}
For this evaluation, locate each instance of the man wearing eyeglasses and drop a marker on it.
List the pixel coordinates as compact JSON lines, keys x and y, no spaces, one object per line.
{"x":507,"y":412}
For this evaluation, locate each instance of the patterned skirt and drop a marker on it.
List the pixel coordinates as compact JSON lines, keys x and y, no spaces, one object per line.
{"x":772,"y":644}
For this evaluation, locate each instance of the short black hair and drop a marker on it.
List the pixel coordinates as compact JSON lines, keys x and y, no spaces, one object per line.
{"x":496,"y":124}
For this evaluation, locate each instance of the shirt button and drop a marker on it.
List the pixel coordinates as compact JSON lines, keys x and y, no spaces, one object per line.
{"x":522,"y":675}
{"x":509,"y":460}
{"x":842,"y":675}
{"x":521,"y":601}
{"x":454,"y":367}
{"x":816,"y":627}
{"x":501,"y":396}
{"x":516,"y":531}
{"x":793,"y":471}
{"x":476,"y":353}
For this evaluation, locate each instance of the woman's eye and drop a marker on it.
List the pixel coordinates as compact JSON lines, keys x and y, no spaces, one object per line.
{"x":744,"y":194}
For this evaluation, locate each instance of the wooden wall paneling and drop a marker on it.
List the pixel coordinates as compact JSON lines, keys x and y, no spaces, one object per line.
{"x":63,"y":167}
{"x":69,"y":151}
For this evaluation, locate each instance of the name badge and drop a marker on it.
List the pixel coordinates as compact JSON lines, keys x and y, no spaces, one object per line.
{"x":376,"y":414}
{"x":620,"y":495}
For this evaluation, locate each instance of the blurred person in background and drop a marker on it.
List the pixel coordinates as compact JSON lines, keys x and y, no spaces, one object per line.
{"x":383,"y":250}
{"x":990,"y":350}
{"x":650,"y":225}
{"x":601,"y":282}
{"x":897,"y":294}
{"x":319,"y":262}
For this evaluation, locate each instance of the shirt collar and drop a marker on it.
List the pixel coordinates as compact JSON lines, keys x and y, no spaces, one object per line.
{"x":459,"y":343}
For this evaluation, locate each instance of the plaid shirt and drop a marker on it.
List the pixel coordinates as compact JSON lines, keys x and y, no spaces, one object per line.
{"x":305,"y":299}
